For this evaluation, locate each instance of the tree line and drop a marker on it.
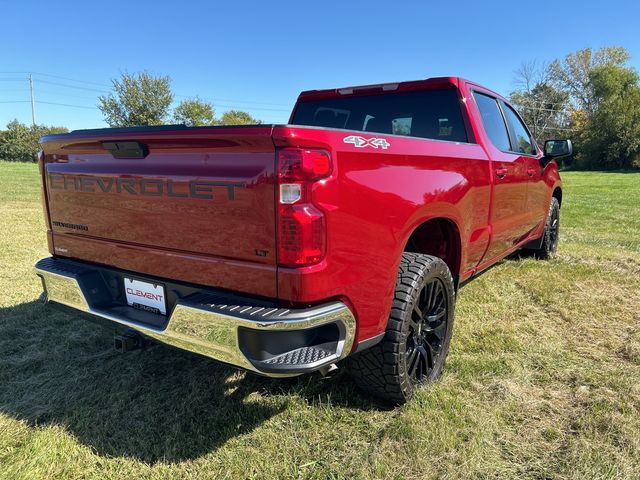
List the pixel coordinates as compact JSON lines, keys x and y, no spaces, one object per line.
{"x":137,"y":100}
{"x":142,"y":99}
{"x":591,"y":97}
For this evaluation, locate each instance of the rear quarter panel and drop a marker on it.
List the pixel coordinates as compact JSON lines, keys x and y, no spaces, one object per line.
{"x":373,"y":201}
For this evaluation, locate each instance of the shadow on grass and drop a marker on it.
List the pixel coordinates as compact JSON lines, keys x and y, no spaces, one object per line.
{"x":157,"y":404}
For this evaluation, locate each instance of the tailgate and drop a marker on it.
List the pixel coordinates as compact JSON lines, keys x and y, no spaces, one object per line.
{"x":204,"y":192}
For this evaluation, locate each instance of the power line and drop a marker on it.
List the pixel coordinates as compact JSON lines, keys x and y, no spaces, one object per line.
{"x":33,"y":77}
{"x":73,"y":86}
{"x":559,"y":128}
{"x":253,"y":108}
{"x":540,"y":102}
{"x":542,"y":109}
{"x":543,"y":102}
{"x":232,"y":100}
{"x":215,"y":104}
{"x":175,"y":95}
{"x":49,"y":103}
{"x":232,"y":103}
{"x":59,"y":77}
{"x":49,"y":92}
{"x":73,"y":80}
{"x":248,"y":102}
{"x":255,"y":103}
{"x":68,"y":105}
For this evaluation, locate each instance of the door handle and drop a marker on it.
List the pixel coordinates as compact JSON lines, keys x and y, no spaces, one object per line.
{"x":531,"y":172}
{"x":501,"y":172}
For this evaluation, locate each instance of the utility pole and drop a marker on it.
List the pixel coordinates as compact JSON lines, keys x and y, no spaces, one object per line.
{"x":33,"y":102}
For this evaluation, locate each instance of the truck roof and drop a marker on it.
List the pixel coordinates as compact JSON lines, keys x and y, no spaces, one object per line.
{"x":433,"y":82}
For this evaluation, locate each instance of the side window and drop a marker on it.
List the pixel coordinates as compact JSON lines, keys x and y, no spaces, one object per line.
{"x":493,"y":121}
{"x":524,"y":144}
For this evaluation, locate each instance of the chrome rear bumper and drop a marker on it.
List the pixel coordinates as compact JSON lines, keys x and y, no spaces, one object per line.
{"x":268,"y":340}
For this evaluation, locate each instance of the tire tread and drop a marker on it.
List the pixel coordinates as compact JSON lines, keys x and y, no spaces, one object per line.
{"x":377,"y":369}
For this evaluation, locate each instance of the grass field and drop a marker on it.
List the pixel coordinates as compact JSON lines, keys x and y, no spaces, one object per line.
{"x":543,"y":378}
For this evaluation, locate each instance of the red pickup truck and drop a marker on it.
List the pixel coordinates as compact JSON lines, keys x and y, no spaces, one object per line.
{"x":284,"y":249}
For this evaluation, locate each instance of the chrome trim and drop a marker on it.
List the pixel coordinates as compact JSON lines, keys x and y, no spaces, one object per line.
{"x":203,"y":330}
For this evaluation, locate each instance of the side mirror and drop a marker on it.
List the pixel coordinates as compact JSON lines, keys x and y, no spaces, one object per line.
{"x":557,"y":148}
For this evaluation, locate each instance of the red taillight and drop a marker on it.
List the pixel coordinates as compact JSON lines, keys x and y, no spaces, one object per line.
{"x":301,"y":240}
{"x":298,"y":164}
{"x":301,"y":225}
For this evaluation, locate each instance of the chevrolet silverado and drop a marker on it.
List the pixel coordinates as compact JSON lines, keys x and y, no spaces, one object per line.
{"x":285,"y":249}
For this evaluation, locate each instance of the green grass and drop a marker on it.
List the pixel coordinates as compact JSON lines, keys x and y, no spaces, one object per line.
{"x":543,"y":378}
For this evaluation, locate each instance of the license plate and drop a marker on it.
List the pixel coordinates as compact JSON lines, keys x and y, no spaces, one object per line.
{"x":145,"y":296}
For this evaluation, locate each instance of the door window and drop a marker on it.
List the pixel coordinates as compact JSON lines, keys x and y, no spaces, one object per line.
{"x":493,"y":121}
{"x":523,"y":142}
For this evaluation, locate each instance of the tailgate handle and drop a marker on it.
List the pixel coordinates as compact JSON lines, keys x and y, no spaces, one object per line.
{"x":126,"y":149}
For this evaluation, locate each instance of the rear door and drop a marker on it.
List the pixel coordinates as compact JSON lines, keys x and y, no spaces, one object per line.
{"x":509,"y":216}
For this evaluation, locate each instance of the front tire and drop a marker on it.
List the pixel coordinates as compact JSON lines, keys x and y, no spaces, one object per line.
{"x":551,"y":234}
{"x":416,"y":342}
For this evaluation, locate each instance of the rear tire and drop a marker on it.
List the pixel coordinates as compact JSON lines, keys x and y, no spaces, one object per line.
{"x":550,"y":236}
{"x":416,"y":342}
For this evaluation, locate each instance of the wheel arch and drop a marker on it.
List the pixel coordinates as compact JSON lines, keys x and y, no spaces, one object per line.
{"x":557,"y":194}
{"x":440,"y":237}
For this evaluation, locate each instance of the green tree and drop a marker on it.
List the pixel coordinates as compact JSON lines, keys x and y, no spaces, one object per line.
{"x":194,"y":113}
{"x":138,"y":99}
{"x":15,"y":141}
{"x":19,"y":142}
{"x":603,"y":105}
{"x":237,"y":117}
{"x":573,"y":74}
{"x":611,"y":137}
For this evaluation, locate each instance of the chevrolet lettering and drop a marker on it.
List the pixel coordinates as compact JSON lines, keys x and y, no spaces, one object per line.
{"x":153,"y":187}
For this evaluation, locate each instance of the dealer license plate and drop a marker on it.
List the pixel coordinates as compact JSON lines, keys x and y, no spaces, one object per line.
{"x":145,"y":296}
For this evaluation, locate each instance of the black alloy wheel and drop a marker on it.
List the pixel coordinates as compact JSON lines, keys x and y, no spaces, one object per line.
{"x":427,"y":329}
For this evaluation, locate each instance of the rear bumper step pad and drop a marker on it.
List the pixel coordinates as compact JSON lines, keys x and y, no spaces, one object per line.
{"x":256,"y":336}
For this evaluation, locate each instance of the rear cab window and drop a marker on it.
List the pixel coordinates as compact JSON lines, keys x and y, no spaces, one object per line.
{"x":434,"y":114}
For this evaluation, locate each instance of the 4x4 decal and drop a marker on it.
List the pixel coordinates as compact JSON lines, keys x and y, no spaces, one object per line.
{"x":362,"y":142}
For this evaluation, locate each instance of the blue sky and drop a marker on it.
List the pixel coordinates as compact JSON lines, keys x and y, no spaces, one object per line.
{"x":257,"y":55}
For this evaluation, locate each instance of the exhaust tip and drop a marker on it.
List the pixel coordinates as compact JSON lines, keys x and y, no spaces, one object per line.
{"x":328,"y":371}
